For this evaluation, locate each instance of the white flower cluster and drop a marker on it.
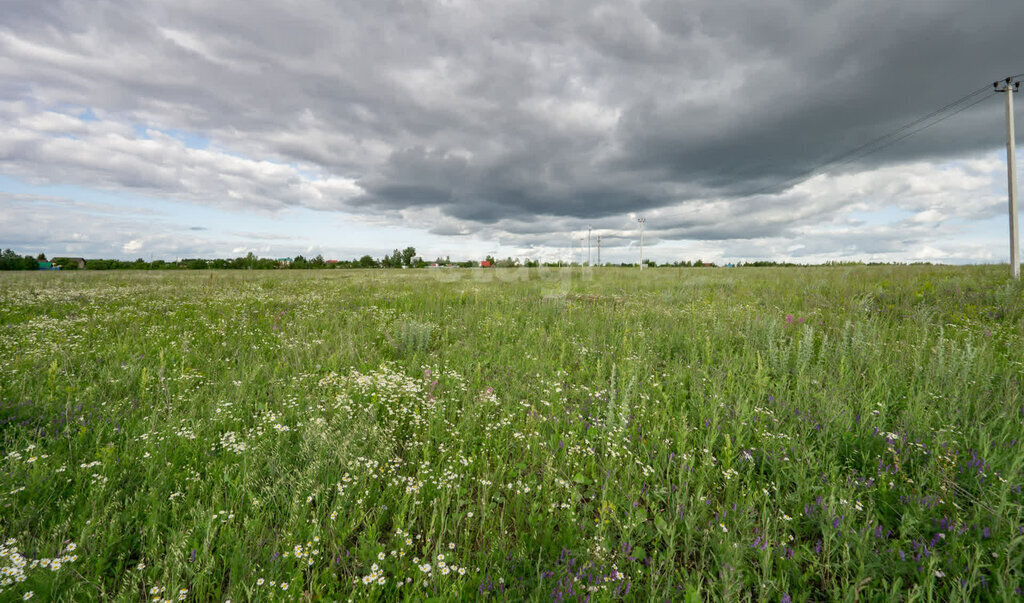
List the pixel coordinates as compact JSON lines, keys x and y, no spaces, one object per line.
{"x":229,"y":441}
{"x":18,"y":564}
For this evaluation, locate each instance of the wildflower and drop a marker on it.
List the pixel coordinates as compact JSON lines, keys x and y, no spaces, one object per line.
{"x":470,"y":514}
{"x":451,"y":546}
{"x":445,"y":571}
{"x":939,"y":574}
{"x":27,"y":596}
{"x":284,"y":586}
{"x":381,"y":580}
{"x":141,"y":566}
{"x":381,"y":556}
{"x":425,"y":568}
{"x":440,"y":557}
{"x":462,"y":571}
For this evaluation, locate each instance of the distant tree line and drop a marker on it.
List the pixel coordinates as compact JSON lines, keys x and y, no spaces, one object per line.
{"x":12,"y":261}
{"x":9,"y":260}
{"x":405,"y":258}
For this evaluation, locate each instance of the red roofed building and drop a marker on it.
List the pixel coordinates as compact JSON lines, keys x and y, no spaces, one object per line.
{"x":485,"y":264}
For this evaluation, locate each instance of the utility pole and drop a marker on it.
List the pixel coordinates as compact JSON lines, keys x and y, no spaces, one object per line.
{"x":589,"y":229}
{"x":598,"y":250}
{"x":1011,"y":174}
{"x":641,"y":221}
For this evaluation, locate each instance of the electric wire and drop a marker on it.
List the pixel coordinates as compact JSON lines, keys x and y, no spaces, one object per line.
{"x":884,"y":141}
{"x":881,"y":143}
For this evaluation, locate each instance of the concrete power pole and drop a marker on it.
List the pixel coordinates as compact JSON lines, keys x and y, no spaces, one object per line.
{"x":598,"y":250}
{"x":1011,"y":175}
{"x":589,"y":229}
{"x":641,"y":221}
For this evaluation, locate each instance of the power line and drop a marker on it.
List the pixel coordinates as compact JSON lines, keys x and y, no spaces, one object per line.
{"x":877,"y":144}
{"x":885,"y":140}
{"x":882,"y":142}
{"x":921,"y":129}
{"x":903,"y":128}
{"x":844,"y":155}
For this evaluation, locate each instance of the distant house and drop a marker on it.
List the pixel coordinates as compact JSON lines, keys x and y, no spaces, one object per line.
{"x":332,"y":261}
{"x":79,"y":262}
{"x":48,"y":266}
{"x":284,"y":261}
{"x":485,"y":264}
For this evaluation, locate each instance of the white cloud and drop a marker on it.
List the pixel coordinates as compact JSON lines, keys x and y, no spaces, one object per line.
{"x":132,"y":246}
{"x":46,"y":146}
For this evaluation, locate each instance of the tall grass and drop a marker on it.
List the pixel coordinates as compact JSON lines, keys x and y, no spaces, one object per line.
{"x":756,"y":434}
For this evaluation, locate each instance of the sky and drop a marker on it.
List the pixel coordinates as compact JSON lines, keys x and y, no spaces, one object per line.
{"x":163,"y":129}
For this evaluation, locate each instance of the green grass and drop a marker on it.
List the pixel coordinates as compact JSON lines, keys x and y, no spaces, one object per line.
{"x":750,"y":434}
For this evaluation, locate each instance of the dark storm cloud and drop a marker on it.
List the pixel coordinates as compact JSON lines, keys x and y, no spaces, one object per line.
{"x":500,"y":113}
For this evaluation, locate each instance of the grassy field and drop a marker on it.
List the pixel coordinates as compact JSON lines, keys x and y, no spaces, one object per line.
{"x":704,"y":434}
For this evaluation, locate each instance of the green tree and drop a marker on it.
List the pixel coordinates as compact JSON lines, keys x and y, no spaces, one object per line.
{"x":407,"y":255}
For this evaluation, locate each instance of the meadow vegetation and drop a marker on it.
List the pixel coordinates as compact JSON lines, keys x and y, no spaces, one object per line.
{"x":831,"y":433}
